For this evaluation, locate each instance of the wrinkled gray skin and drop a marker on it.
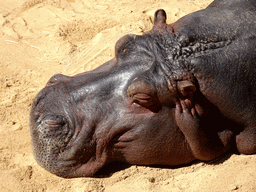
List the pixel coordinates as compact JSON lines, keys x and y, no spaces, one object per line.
{"x":178,"y":93}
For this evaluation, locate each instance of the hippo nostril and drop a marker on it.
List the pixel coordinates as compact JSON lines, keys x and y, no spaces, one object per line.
{"x":56,"y":79}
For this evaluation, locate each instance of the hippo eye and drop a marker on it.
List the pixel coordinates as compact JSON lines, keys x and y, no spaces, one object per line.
{"x":142,"y":92}
{"x":54,"y":121}
{"x":144,"y":99}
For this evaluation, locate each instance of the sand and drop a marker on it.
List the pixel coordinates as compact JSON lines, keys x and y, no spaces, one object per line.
{"x":39,"y":38}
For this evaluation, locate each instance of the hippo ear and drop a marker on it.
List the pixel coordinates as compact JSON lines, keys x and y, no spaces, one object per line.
{"x":186,"y":88}
{"x":142,"y":92}
{"x":160,"y":17}
{"x":56,"y":79}
{"x":122,"y":42}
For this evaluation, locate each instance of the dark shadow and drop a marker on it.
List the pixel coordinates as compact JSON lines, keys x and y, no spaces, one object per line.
{"x":220,"y":159}
{"x":225,"y":156}
{"x":171,"y":166}
{"x":111,"y":168}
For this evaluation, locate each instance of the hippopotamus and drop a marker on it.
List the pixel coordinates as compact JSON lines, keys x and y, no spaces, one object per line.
{"x":181,"y":92}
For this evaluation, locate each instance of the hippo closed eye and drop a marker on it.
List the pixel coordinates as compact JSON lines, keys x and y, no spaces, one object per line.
{"x":178,"y":93}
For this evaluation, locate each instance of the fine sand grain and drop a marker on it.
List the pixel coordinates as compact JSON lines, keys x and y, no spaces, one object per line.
{"x":39,"y":38}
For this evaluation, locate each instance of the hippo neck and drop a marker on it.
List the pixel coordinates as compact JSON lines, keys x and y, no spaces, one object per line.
{"x":178,"y":48}
{"x":182,"y":51}
{"x":176,"y":52}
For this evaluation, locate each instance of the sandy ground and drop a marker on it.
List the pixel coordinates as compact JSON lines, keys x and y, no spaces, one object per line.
{"x":39,"y":38}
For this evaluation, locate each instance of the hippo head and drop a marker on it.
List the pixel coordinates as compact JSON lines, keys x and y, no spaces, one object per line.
{"x":80,"y":123}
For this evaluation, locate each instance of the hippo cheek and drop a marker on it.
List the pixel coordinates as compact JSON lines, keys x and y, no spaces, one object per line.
{"x":84,"y":158}
{"x":95,"y":162}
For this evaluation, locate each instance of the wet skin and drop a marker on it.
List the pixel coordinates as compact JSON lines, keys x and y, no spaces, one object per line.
{"x":178,"y":93}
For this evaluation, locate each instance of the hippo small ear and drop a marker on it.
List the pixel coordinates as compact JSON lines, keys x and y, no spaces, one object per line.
{"x":160,"y":17}
{"x":56,"y":79}
{"x":186,"y":88}
{"x":123,"y":41}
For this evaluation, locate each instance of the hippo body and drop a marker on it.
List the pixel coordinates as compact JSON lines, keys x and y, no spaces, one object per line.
{"x":178,"y":93}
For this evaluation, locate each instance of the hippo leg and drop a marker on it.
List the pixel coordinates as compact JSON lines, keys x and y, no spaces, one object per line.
{"x":204,"y":145}
{"x":246,"y":141}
